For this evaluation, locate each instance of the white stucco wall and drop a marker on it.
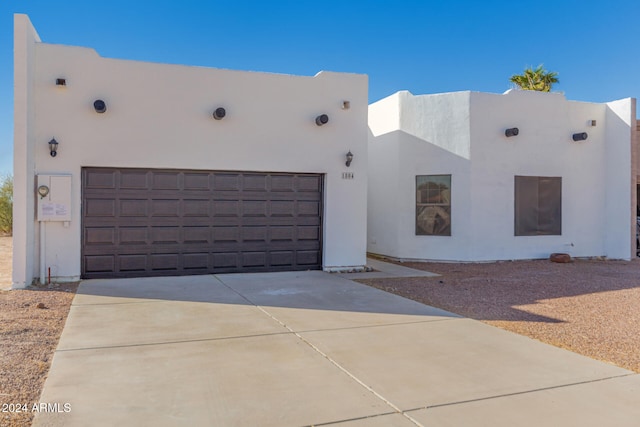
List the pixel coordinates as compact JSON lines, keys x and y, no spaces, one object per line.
{"x":439,"y":144}
{"x":462,"y":134}
{"x":159,"y":116}
{"x":620,"y":221}
{"x":544,"y":147}
{"x":25,"y":39}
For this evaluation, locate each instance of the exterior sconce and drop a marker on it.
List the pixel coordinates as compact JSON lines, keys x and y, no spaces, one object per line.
{"x":349,"y":158}
{"x":61,"y":82}
{"x":580,"y":136}
{"x":99,"y":106}
{"x":511,"y":132}
{"x":346,"y":105}
{"x":219,"y":113}
{"x":322,"y":119}
{"x":591,"y":122}
{"x":53,"y":147}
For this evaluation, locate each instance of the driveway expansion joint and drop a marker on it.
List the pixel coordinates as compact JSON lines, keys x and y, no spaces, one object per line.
{"x":369,"y":417}
{"x":326,"y":356}
{"x":344,"y":370}
{"x":377,"y":325}
{"x":499,"y":396}
{"x":171,"y":342}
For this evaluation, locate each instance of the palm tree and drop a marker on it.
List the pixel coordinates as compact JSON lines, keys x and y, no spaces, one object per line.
{"x":539,"y":79}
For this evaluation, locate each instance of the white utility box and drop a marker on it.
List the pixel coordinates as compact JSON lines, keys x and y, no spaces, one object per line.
{"x":54,"y":197}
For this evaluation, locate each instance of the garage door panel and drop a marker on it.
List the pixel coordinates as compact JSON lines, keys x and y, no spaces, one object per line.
{"x":254,"y":259}
{"x":226,"y":182}
{"x":99,"y":208}
{"x":133,"y":207}
{"x":99,"y":263}
{"x":198,"y":261}
{"x":308,"y":233}
{"x":197,"y":181}
{"x":164,"y":262}
{"x":310,"y":183}
{"x":282,"y":183}
{"x":165,"y":208}
{"x":284,"y":233}
{"x":133,"y":262}
{"x":254,"y":208}
{"x":307,"y":257}
{"x":133,"y":235}
{"x":140,"y":222}
{"x":308,"y":208}
{"x":196,"y":234}
{"x":254,"y":182}
{"x":309,"y":221}
{"x":165,"y":235}
{"x":226,"y":234}
{"x":254,"y":234}
{"x":133,"y":179}
{"x":225,"y":260}
{"x":103,"y":179}
{"x":282,"y":258}
{"x":196,"y":208}
{"x":226,"y":208}
{"x":284,"y":208}
{"x":101,"y":236}
{"x":165,"y":181}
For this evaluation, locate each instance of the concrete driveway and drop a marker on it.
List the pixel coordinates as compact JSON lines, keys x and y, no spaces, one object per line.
{"x":310,"y":348}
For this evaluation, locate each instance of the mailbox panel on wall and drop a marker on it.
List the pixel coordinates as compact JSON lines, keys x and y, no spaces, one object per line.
{"x":54,"y":197}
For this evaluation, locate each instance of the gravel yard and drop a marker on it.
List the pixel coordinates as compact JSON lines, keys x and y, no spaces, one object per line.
{"x":28,"y":338}
{"x":590,"y":307}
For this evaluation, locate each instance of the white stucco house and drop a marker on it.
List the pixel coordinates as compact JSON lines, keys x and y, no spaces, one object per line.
{"x":470,"y":176}
{"x":168,"y":169}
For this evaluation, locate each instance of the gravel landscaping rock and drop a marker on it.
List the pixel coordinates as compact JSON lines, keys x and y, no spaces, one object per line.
{"x":31,"y":321}
{"x":591,"y":307}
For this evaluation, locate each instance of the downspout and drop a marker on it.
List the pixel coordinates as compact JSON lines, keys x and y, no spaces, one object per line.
{"x":43,"y":260}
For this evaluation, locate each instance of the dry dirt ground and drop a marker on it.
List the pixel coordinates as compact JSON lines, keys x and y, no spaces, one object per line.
{"x":28,"y":338}
{"x":590,"y":307}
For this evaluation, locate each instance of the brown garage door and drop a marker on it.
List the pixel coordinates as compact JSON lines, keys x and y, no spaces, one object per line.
{"x":141,"y":222}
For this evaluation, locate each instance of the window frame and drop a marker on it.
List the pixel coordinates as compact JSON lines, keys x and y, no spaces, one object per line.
{"x":545,"y":211}
{"x":440,"y":209}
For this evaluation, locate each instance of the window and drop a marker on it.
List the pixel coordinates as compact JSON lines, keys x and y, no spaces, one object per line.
{"x":538,"y":206}
{"x":433,"y":205}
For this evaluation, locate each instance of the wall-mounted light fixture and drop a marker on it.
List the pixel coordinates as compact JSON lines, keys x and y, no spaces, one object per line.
{"x":322,"y":119}
{"x":591,"y":122}
{"x":346,"y":105}
{"x":100,"y":106}
{"x":219,"y":113}
{"x":53,"y":147}
{"x":580,"y":136}
{"x":61,"y":82}
{"x":349,"y":158}
{"x":511,"y":132}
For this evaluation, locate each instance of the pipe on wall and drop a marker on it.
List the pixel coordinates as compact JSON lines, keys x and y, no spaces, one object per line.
{"x":43,"y":260}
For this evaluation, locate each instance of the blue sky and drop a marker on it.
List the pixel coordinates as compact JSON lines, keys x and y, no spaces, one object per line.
{"x":420,"y":46}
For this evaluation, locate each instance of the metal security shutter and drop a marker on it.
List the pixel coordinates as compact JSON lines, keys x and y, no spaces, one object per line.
{"x":150,"y":222}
